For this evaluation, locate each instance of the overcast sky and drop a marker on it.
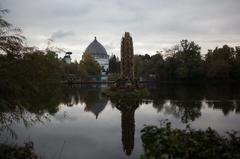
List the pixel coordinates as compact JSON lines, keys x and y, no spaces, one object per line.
{"x":153,"y":24}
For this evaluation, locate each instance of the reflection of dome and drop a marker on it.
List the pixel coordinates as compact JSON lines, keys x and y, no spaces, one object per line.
{"x":99,"y":53}
{"x":98,"y":107}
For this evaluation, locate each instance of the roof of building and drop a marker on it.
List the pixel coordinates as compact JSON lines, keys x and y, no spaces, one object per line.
{"x":96,"y":48}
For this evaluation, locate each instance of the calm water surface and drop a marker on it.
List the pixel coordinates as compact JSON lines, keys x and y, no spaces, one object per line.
{"x":77,"y":122}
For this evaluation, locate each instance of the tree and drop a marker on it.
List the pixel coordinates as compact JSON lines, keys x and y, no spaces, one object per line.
{"x":147,"y":66}
{"x":219,"y":62}
{"x":11,"y":40}
{"x":144,"y":65}
{"x":185,"y":62}
{"x":235,"y":73}
{"x":190,"y":57}
{"x":138,"y":63}
{"x":74,"y":69}
{"x":90,"y":65}
{"x":114,"y":64}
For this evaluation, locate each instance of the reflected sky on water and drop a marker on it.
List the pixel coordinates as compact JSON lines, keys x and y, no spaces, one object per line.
{"x":77,"y":122}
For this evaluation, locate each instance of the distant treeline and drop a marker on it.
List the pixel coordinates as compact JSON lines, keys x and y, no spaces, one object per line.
{"x":185,"y":62}
{"x":31,"y":70}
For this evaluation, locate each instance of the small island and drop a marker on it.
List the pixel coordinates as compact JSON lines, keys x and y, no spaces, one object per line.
{"x":127,"y":86}
{"x":117,"y":93}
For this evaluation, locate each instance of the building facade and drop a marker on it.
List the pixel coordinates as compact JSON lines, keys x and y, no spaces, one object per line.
{"x":99,"y":53}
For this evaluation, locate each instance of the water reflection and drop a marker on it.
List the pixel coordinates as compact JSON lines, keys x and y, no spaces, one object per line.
{"x":127,"y":109}
{"x":184,"y":102}
{"x":94,"y":102}
{"x":186,"y":110}
{"x":11,"y":117}
{"x":225,"y":106}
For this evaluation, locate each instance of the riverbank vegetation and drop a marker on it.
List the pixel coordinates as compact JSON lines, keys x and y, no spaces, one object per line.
{"x":166,"y":142}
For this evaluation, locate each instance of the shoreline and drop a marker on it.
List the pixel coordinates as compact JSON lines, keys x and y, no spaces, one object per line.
{"x":160,"y":82}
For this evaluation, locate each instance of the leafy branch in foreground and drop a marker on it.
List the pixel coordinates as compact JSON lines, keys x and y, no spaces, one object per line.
{"x":11,"y":40}
{"x":166,"y":142}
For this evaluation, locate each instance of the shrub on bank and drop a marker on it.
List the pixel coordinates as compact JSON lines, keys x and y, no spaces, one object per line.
{"x":166,"y":142}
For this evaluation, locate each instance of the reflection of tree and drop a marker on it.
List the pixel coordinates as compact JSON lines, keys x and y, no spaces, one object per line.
{"x":71,"y":94}
{"x":127,"y":109}
{"x":238,"y":106}
{"x":177,"y":91}
{"x":32,"y":106}
{"x":158,"y":104}
{"x":186,"y":99}
{"x":10,"y":117}
{"x":186,"y":110}
{"x":89,"y":97}
{"x":29,"y":107}
{"x":225,"y":106}
{"x":45,"y":99}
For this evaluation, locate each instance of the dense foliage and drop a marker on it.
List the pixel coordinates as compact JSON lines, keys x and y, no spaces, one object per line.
{"x":185,"y":62}
{"x":223,"y":63}
{"x":89,"y":65}
{"x":17,"y":152}
{"x":30,"y":72}
{"x":166,"y":142}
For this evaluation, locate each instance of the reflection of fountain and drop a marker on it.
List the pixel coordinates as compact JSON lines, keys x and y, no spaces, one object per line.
{"x":127,"y":109}
{"x":127,"y":79}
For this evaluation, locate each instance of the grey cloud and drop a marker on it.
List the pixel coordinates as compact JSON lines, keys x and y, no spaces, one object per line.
{"x":61,"y":34}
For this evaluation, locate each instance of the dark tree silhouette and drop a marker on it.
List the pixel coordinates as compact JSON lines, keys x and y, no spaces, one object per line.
{"x":114,"y":64}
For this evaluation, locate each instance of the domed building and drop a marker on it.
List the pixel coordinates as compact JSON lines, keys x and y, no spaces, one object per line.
{"x":99,"y":53}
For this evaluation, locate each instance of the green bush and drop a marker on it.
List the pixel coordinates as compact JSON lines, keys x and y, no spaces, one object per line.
{"x":166,"y":142}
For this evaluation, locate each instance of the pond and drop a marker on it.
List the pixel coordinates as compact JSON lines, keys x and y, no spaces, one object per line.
{"x":77,"y":122}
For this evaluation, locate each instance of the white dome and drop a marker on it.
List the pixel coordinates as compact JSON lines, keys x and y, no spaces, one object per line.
{"x":96,"y":49}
